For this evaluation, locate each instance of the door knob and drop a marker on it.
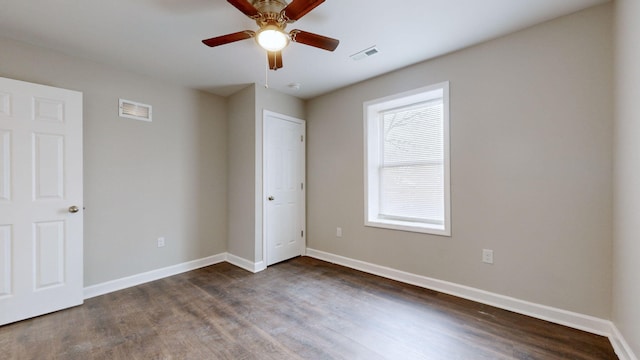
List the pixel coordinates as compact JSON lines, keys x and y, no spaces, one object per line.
{"x":271,"y":198}
{"x":73,"y":209}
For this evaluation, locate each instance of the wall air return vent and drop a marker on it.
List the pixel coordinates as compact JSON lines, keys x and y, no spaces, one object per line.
{"x":365,"y":53}
{"x":134,"y":110}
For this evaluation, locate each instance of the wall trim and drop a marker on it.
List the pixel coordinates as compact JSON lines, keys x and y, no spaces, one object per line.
{"x":138,"y":279}
{"x":559,"y":316}
{"x":130,"y":281}
{"x":245,"y":264}
{"x":620,"y":345}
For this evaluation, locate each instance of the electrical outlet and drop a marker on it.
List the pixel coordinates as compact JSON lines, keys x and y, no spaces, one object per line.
{"x":339,"y":232}
{"x":161,"y":242}
{"x":487,"y":256}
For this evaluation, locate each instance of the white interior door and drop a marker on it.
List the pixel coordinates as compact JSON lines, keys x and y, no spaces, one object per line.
{"x":284,"y":169}
{"x":40,"y":183}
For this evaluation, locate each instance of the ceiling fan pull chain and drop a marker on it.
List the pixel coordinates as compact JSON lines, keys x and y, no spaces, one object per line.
{"x":266,"y":73}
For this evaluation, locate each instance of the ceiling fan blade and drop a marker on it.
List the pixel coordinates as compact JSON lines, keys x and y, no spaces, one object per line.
{"x":246,"y":8}
{"x":275,"y":59}
{"x":314,"y":40}
{"x":229,"y":38}
{"x":299,"y":8}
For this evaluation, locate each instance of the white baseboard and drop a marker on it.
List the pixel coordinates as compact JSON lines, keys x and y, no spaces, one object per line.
{"x":129,"y":281}
{"x":563,"y":317}
{"x":245,"y":264}
{"x":620,"y":345}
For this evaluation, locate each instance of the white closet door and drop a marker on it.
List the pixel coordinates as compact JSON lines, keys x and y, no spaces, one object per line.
{"x":40,"y":200}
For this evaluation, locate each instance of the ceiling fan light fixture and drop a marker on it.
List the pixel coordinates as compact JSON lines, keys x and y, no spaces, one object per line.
{"x":272,"y":38}
{"x":272,"y":17}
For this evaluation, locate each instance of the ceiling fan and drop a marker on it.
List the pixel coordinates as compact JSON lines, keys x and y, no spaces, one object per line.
{"x":272,"y":16}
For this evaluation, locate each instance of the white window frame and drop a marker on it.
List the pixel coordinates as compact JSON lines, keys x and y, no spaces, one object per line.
{"x":371,"y":111}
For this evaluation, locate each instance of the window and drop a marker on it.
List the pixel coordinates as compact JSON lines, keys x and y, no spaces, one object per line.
{"x":407,"y":161}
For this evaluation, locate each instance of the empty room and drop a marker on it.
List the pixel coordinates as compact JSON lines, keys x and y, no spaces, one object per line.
{"x":310,"y":179}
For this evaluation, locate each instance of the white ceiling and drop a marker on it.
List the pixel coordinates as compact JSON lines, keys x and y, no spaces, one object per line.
{"x":162,"y":38}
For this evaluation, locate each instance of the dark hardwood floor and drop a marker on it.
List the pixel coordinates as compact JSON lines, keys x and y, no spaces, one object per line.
{"x":299,"y":309}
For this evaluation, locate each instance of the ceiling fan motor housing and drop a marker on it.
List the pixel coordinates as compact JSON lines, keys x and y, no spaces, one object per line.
{"x":268,"y":6}
{"x":271,"y":13}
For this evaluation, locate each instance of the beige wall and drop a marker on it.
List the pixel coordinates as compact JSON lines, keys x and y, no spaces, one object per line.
{"x":142,"y":180}
{"x":245,"y":164}
{"x":241,"y":174}
{"x":531,"y":145}
{"x":626,"y":289}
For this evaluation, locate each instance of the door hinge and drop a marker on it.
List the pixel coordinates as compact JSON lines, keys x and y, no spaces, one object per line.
{"x":301,"y":233}
{"x":301,"y":186}
{"x":301,"y":138}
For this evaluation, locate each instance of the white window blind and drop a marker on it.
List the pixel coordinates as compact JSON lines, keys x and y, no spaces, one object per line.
{"x":411,"y":170}
{"x":407,"y":167}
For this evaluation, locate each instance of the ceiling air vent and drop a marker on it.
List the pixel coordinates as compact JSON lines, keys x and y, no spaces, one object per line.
{"x":365,"y":53}
{"x":134,"y":110}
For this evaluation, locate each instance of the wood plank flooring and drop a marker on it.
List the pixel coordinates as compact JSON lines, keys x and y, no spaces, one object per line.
{"x":300,"y":309}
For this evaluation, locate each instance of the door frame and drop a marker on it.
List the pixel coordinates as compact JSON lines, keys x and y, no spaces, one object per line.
{"x":303,"y":171}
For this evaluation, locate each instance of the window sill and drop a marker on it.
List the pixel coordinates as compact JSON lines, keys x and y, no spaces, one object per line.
{"x":440,"y":230}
